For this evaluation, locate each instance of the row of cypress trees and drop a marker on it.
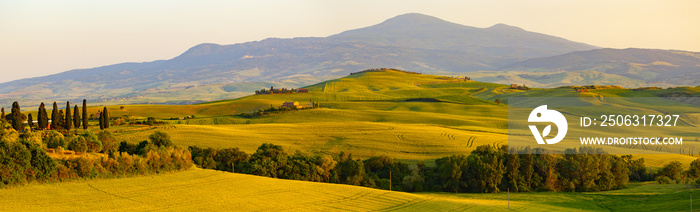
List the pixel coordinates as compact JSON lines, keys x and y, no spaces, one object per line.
{"x":59,"y":119}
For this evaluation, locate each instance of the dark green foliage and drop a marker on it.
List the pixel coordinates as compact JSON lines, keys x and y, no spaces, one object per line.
{"x":125,"y":147}
{"x":93,"y":142}
{"x":452,"y":172}
{"x":60,"y":120}
{"x":109,"y":142}
{"x":142,"y":148}
{"x":54,"y":139}
{"x":350,"y":171}
{"x":268,"y":160}
{"x":101,"y":120}
{"x":17,"y":117}
{"x":694,"y":170}
{"x":135,"y":149}
{"x":54,"y":117}
{"x":68,"y":120}
{"x":381,"y":168}
{"x":105,"y":119}
{"x":78,"y":144}
{"x":42,"y":117}
{"x":526,"y":171}
{"x":23,"y":160}
{"x":85,"y":115}
{"x":663,"y":180}
{"x":76,"y":117}
{"x":637,"y":170}
{"x":672,"y":170}
{"x":85,"y":142}
{"x":3,"y":113}
{"x":224,"y":159}
{"x":30,"y":121}
{"x":159,"y":138}
{"x":486,"y":168}
{"x":150,"y":121}
{"x":42,"y":163}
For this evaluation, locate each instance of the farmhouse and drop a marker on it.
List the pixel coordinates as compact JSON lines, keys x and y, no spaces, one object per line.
{"x":291,"y":105}
{"x":302,"y":90}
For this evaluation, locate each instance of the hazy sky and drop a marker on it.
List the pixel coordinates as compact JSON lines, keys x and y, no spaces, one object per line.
{"x":39,"y":38}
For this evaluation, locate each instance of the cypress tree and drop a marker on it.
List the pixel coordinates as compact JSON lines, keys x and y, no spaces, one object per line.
{"x":85,"y":115}
{"x":30,"y":121}
{"x":60,"y":119}
{"x":101,"y":119}
{"x":41,"y":118}
{"x":54,"y":117}
{"x":106,"y":117}
{"x":3,"y":113}
{"x":68,"y":120}
{"x":76,"y":117}
{"x":17,"y":117}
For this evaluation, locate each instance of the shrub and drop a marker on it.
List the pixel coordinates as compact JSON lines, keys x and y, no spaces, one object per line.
{"x":54,"y":139}
{"x":109,"y":142}
{"x":32,"y":137}
{"x":93,"y":143}
{"x":78,"y":144}
{"x":8,"y":134}
{"x":160,"y":139}
{"x":119,"y":122}
{"x":663,"y":180}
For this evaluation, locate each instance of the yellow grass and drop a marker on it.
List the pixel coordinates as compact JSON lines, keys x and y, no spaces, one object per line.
{"x":403,"y":141}
{"x":205,"y":190}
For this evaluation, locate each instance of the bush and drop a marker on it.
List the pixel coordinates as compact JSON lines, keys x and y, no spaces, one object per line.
{"x":663,"y":180}
{"x":109,"y":142}
{"x":8,"y":134}
{"x":32,"y":137}
{"x":119,"y":122}
{"x":78,"y":144}
{"x":54,"y":139}
{"x":93,"y":143}
{"x":160,"y":139}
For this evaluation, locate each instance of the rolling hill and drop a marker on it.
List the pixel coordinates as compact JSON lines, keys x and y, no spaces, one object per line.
{"x":210,"y":190}
{"x":412,"y":41}
{"x":623,"y":67}
{"x":411,"y":117}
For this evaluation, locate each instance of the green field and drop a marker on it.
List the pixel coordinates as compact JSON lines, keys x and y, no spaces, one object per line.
{"x":409,"y":117}
{"x":200,"y":189}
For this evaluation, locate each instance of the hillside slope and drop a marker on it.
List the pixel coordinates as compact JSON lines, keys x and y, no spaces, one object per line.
{"x":413,"y":42}
{"x":208,"y":190}
{"x":408,"y":116}
{"x":624,"y":67}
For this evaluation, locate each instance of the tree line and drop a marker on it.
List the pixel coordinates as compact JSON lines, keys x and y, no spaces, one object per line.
{"x":59,"y":120}
{"x":487,"y":169}
{"x":23,"y":158}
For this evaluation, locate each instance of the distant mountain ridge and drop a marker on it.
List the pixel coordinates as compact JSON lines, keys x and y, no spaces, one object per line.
{"x":638,"y":67}
{"x":412,"y":42}
{"x":426,"y":32}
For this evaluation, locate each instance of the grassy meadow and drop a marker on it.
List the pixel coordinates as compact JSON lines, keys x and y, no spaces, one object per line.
{"x":409,"y":117}
{"x":200,"y":189}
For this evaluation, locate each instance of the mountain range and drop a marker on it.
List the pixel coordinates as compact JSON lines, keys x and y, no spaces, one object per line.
{"x":413,"y":42}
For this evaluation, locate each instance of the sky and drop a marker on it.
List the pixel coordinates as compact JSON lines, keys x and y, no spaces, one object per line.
{"x":39,"y":38}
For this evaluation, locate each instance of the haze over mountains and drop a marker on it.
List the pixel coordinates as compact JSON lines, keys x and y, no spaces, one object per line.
{"x":413,"y":42}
